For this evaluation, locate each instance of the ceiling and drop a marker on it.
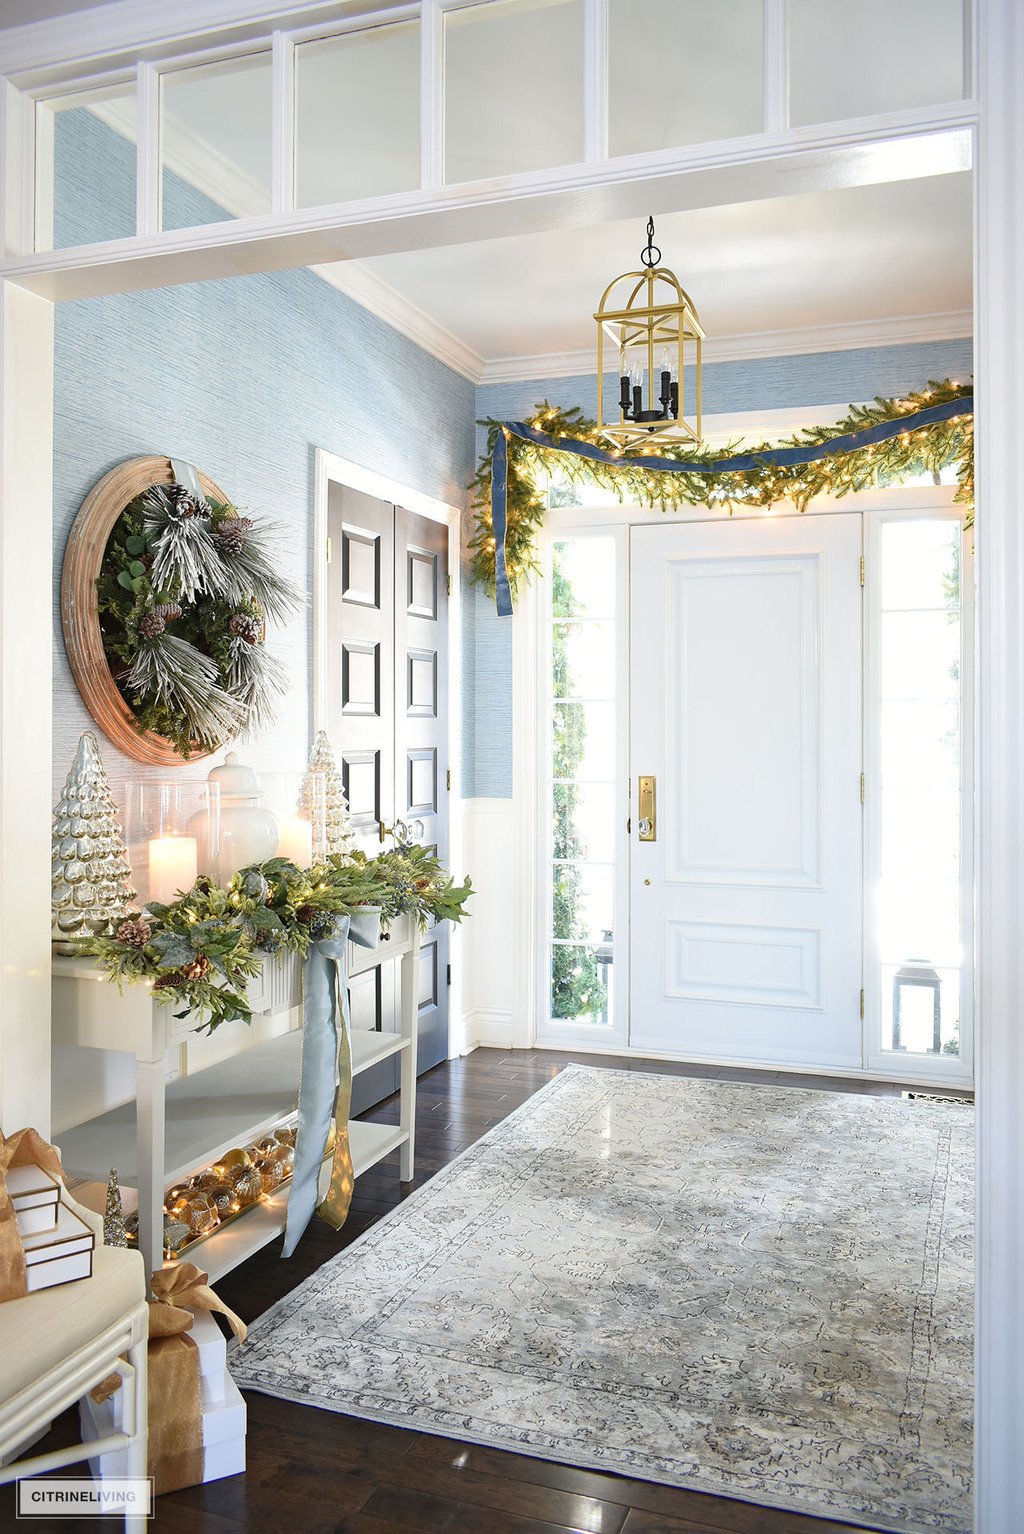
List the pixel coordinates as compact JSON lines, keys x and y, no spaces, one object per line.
{"x":897,"y":251}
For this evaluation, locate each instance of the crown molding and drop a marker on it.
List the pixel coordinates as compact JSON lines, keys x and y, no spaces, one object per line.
{"x":190,"y":157}
{"x":384,"y":301}
{"x":854,"y":335}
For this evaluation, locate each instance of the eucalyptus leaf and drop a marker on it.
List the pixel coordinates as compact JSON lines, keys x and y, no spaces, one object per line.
{"x":125,"y":580}
{"x":137,"y":567}
{"x":135,"y":544}
{"x":174,"y":948}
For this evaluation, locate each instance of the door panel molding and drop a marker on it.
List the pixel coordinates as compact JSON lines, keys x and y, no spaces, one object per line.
{"x":783,"y":674}
{"x":395,"y":596}
{"x":784,"y":966}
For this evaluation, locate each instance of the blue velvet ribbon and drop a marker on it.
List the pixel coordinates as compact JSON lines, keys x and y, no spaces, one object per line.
{"x":738,"y":463}
{"x":326,"y":1074}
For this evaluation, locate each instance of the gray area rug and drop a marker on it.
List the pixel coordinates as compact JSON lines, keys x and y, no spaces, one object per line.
{"x":763,"y":1292}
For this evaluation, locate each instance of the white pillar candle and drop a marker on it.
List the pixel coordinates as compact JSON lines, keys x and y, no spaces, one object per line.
{"x":172,"y":866}
{"x":296,"y":841}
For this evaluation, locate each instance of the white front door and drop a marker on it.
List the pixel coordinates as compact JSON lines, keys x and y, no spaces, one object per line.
{"x":745,"y":657}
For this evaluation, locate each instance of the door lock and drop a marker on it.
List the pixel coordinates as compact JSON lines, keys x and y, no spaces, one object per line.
{"x":647,"y":823}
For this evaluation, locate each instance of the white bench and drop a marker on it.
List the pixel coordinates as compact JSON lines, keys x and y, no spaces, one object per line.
{"x":57,"y":1344}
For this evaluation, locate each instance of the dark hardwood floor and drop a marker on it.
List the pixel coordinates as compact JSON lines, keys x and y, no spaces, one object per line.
{"x":321,"y":1473}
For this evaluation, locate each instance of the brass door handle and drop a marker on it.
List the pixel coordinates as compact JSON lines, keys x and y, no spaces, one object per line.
{"x":647,"y":822}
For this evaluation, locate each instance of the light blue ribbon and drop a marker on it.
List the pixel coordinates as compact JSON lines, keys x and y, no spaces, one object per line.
{"x":324,"y":1043}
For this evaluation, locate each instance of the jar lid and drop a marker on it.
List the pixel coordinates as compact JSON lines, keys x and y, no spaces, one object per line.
{"x":235,"y":779}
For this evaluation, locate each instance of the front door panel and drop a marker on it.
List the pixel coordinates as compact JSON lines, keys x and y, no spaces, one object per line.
{"x":746,"y":905}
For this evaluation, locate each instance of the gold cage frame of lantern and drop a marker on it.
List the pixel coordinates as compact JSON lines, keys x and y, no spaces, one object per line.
{"x":656,"y":335}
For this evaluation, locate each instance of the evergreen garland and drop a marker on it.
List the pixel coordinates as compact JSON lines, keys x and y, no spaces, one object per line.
{"x":182,"y":593}
{"x":200,"y":951}
{"x":929,"y":449}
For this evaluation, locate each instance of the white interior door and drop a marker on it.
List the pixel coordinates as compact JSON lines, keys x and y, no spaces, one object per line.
{"x":746,"y":907}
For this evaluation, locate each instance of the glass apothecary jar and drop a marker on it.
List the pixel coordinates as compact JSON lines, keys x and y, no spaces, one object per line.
{"x":173,"y":832}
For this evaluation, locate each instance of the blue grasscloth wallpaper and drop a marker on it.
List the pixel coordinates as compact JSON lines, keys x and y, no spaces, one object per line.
{"x":248,"y":376}
{"x":245,"y":377}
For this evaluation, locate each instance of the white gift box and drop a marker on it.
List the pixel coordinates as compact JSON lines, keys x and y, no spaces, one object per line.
{"x":35,"y":1195}
{"x":213,"y":1359}
{"x":60,"y":1255}
{"x":223,"y":1428}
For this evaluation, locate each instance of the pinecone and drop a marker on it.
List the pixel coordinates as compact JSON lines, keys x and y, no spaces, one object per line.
{"x":170,"y":612}
{"x":244,"y":626}
{"x":305,"y":914}
{"x":181,"y":503}
{"x":204,"y":885}
{"x":151,"y":624}
{"x":198,"y":969}
{"x":135,"y":931}
{"x":230,"y":534}
{"x":168,"y":982}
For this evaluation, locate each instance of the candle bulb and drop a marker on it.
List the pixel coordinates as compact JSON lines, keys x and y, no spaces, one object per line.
{"x":173,"y":864}
{"x":296,"y":841}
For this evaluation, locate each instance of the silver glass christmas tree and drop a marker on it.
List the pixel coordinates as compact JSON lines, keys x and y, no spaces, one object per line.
{"x":114,"y":1233}
{"x":341,"y":839}
{"x":91,"y":880}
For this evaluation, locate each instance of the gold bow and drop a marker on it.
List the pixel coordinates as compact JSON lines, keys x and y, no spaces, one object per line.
{"x":185,"y":1287}
{"x":26,"y":1147}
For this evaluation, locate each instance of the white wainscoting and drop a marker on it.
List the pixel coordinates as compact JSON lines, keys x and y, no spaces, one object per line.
{"x":489,"y":937}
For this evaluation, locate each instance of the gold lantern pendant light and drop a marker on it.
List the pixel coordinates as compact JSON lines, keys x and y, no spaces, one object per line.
{"x":655,"y":332}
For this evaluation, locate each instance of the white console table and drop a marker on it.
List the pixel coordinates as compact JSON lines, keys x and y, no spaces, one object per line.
{"x":175,"y":1128}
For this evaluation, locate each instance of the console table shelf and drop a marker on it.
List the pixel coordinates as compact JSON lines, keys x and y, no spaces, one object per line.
{"x":174,"y":1128}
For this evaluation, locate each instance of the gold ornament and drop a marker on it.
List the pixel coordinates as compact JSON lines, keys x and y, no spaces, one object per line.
{"x":233,"y":1159}
{"x":286,"y":1160}
{"x":176,"y":1233}
{"x":271,"y":1171}
{"x":199,"y":1211}
{"x":224,"y":1199}
{"x":205,"y":1181}
{"x":264,"y":1148}
{"x":247,"y":1182}
{"x":285,"y":1134}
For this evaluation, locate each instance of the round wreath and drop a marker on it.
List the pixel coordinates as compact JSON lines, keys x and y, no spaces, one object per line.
{"x":184,"y":588}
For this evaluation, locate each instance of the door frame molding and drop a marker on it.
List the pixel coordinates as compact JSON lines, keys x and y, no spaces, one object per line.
{"x":527,"y":784}
{"x":330,"y":468}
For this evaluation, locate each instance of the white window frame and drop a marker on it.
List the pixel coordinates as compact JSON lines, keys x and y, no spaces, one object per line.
{"x":934,"y":138}
{"x":552,"y":1033}
{"x":949,"y":1070}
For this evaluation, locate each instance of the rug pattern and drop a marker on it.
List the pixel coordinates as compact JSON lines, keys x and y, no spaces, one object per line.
{"x":764,"y":1292}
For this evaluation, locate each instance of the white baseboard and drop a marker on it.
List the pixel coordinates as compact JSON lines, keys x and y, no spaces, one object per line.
{"x":488,"y":1028}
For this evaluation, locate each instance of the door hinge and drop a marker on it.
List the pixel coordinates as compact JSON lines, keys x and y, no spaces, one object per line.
{"x":330,"y":550}
{"x":448,"y":584}
{"x":862,"y":569}
{"x":448,"y":780}
{"x":862,"y":1004}
{"x":863,"y":788}
{"x":448,"y":975}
